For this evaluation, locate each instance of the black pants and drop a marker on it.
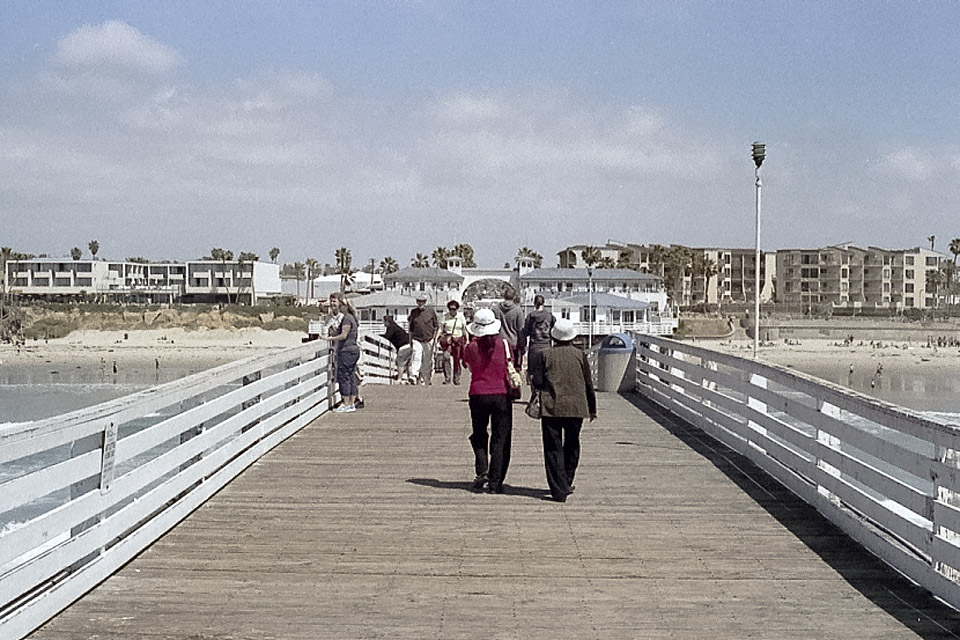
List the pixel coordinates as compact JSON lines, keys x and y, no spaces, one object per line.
{"x":491,"y":453}
{"x":561,"y":452}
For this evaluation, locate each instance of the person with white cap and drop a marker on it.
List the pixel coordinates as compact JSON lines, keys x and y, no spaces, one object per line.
{"x":424,"y":325}
{"x":487,"y":358}
{"x":563,"y":378}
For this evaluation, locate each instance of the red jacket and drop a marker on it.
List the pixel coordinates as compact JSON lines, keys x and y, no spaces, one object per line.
{"x":488,"y":371}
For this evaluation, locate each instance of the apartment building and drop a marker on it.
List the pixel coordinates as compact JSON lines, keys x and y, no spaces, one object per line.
{"x":733,"y":279}
{"x":154,"y":282}
{"x":846,"y":276}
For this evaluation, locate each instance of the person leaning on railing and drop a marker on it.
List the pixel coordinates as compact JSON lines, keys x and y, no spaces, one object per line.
{"x":400,"y":340}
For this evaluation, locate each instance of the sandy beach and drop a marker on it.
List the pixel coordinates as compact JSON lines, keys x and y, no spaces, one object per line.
{"x":85,"y":348}
{"x":812,"y":355}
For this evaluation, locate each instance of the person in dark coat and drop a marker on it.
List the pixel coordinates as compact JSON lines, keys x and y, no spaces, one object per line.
{"x":563,"y":378}
{"x":510,"y":315}
{"x":535,"y":336}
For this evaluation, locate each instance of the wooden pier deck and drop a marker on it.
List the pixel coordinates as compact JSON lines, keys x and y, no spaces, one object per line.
{"x":362,"y":526}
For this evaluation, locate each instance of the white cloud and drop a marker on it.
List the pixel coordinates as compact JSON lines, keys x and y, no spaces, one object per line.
{"x":910,"y":164}
{"x":115,"y":45}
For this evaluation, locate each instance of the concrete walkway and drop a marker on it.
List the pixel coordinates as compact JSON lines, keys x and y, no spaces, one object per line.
{"x":362,"y":526}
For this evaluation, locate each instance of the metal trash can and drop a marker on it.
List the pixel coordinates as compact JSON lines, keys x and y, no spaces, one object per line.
{"x":616,"y":363}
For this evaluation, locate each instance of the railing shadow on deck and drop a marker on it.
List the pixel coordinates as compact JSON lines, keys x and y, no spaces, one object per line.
{"x":912,"y":605}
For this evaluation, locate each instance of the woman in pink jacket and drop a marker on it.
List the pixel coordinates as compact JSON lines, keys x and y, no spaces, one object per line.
{"x":486,"y":356}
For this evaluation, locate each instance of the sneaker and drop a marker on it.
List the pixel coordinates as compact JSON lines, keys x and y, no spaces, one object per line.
{"x":344,"y":409}
{"x":477,"y":484}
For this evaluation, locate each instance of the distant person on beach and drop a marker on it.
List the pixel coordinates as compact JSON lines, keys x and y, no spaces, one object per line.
{"x":400,"y":340}
{"x":535,"y":336}
{"x":486,"y":356}
{"x":424,"y":324}
{"x":453,"y":339}
{"x":563,"y":378}
{"x":348,"y":354}
{"x":510,"y":315}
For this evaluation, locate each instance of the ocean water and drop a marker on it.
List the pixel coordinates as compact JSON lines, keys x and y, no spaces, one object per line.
{"x":933,"y":391}
{"x":42,"y":390}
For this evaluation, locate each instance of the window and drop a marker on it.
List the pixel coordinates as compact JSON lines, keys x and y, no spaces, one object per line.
{"x":931,"y":261}
{"x":908,"y":301}
{"x":565,"y":313}
{"x":908,"y":260}
{"x":908,"y":287}
{"x":908,"y":274}
{"x":628,"y":316}
{"x":844,"y":273}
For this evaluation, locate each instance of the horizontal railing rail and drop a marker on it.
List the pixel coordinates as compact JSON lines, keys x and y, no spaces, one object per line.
{"x":887,"y":476}
{"x":83,"y":493}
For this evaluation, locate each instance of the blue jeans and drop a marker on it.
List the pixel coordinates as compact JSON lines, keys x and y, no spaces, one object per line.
{"x":346,"y":366}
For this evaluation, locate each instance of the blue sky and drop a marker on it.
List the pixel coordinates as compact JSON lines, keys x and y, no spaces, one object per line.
{"x":165,"y":129}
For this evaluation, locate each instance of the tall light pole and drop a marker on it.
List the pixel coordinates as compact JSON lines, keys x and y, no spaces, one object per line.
{"x":758,"y":155}
{"x":590,"y":307}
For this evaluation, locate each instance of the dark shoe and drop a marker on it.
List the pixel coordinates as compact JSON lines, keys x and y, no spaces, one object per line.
{"x":495,"y":488}
{"x":477,"y":485}
{"x":358,"y":403}
{"x":559,"y":498}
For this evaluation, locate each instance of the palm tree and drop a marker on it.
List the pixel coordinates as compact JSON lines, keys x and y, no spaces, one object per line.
{"x":658,"y":258}
{"x":527,"y":252}
{"x":440,"y":255}
{"x":243,"y":258}
{"x":388,"y":265}
{"x":76,"y":253}
{"x":703,"y":265}
{"x":311,"y":265}
{"x":94,"y":248}
{"x":223,"y":256}
{"x":606,"y":262}
{"x":677,"y":267}
{"x":298,"y":273}
{"x":465,"y":253}
{"x":420,"y":261}
{"x":624,"y":259}
{"x":6,"y":254}
{"x":591,"y":256}
{"x":273,"y":254}
{"x":344,"y":259}
{"x":932,"y":240}
{"x":936,"y":278}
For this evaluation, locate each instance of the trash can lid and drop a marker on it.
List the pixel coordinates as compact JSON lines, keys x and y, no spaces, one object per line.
{"x":617,"y":342}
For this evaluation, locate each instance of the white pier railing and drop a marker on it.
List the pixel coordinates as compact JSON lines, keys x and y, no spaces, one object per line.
{"x":887,"y":476}
{"x":83,"y":493}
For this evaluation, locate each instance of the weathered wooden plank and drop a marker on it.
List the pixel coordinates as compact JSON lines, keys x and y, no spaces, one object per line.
{"x":361,"y":525}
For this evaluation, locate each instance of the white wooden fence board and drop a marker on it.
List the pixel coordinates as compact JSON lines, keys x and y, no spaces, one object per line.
{"x":25,"y":489}
{"x":33,"y":613}
{"x":51,"y":562}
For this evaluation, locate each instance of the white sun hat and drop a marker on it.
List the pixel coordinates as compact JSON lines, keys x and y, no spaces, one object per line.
{"x":484,"y":324}
{"x":564,"y":330}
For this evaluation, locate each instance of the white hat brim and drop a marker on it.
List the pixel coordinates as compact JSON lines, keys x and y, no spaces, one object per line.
{"x":480,"y":330}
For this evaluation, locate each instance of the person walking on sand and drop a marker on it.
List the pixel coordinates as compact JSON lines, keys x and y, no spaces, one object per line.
{"x":486,"y":357}
{"x":453,"y":339}
{"x":563,"y":378}
{"x":347,"y":354}
{"x":424,"y":325}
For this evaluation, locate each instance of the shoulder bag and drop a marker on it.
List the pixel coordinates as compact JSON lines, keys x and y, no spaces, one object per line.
{"x":512,"y":375}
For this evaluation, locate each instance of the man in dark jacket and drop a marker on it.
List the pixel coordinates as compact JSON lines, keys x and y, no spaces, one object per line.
{"x":563,"y":378}
{"x":424,"y":326}
{"x":510,"y":316}
{"x":400,"y":340}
